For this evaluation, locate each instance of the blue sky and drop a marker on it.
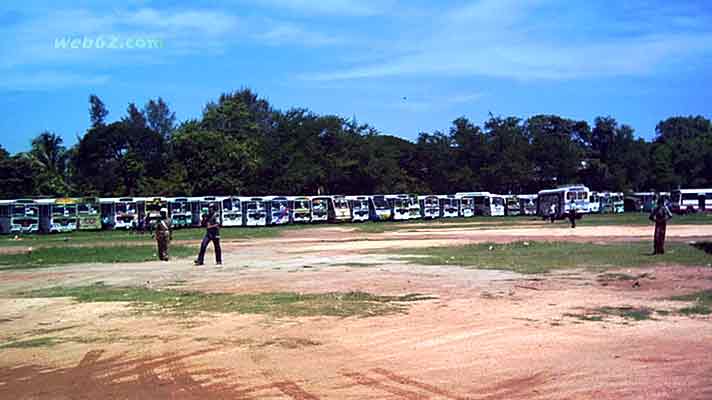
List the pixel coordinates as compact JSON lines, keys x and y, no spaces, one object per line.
{"x":639,"y":61}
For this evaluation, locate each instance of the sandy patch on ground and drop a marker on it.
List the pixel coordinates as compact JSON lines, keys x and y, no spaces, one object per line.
{"x":486,"y":335}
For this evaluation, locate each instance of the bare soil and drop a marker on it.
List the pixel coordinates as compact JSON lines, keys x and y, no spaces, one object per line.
{"x":487,"y":335}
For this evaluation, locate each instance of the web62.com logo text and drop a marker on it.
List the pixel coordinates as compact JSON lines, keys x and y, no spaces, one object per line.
{"x":111,"y":42}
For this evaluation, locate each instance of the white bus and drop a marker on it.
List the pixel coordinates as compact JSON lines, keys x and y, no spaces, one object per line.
{"x":610,"y":202}
{"x":467,"y":205}
{"x":24,"y":216}
{"x":379,"y":208}
{"x":594,"y":203}
{"x":180,"y":211}
{"x":512,"y":205}
{"x":691,"y":200}
{"x":400,"y":206}
{"x":62,"y":216}
{"x":414,"y":206}
{"x":320,"y":206}
{"x":301,"y":209}
{"x":125,"y":213}
{"x":340,"y":210}
{"x":527,"y":204}
{"x":566,"y":199}
{"x":278,"y":210}
{"x":254,"y":211}
{"x":486,"y":203}
{"x":359,"y":208}
{"x":449,"y":206}
{"x":429,"y":206}
{"x":231,"y":211}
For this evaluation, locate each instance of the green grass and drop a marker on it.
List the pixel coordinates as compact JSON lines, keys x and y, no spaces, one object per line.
{"x":52,"y":256}
{"x":172,"y":301}
{"x":81,"y":237}
{"x":634,"y":218}
{"x":540,"y":257}
{"x":237,"y":233}
{"x":600,"y":314}
{"x":632,"y":313}
{"x":702,"y":305}
{"x":29,"y":343}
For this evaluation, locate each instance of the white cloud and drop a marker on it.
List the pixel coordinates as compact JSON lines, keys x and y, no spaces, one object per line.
{"x":50,"y":80}
{"x":286,"y":33}
{"x":523,"y":40}
{"x":330,"y":7}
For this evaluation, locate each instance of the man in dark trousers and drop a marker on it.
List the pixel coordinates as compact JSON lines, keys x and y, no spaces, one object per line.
{"x":572,"y":214}
{"x":660,"y":215}
{"x":211,"y":221}
{"x":163,"y":234}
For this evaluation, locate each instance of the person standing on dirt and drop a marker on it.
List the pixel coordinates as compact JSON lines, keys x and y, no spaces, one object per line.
{"x":552,"y":212}
{"x":163,"y":234}
{"x":211,"y":221}
{"x":573,"y":215}
{"x":660,"y":215}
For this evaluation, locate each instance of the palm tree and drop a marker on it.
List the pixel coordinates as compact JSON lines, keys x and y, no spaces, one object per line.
{"x":48,"y":153}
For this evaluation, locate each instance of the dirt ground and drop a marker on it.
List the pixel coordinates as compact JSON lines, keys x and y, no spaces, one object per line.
{"x":486,"y":335}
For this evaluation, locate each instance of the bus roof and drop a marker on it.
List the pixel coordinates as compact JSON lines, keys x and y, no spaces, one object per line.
{"x":573,"y":188}
{"x":692,"y":191}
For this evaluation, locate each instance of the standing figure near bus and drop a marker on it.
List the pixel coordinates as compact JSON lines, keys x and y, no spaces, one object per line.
{"x":211,"y":221}
{"x":572,"y":214}
{"x":552,"y":212}
{"x":163,"y":234}
{"x":660,"y":215}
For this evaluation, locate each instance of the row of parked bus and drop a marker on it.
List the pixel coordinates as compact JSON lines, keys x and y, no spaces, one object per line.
{"x":89,"y":213}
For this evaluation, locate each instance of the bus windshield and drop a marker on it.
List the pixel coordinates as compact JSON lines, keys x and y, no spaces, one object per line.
{"x":302,"y":204}
{"x":380,"y":203}
{"x":87,"y":209}
{"x":360,"y":204}
{"x":400,"y":203}
{"x":178,"y":207}
{"x":125,"y":208}
{"x":498,"y":201}
{"x":18,"y":210}
{"x":279,"y":204}
{"x":341,"y":203}
{"x":227,"y":204}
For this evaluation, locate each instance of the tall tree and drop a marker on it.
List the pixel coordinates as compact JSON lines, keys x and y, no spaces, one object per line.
{"x":508,"y":169}
{"x":557,"y":148}
{"x":160,"y":118}
{"x":690,"y":142}
{"x":97,"y":111}
{"x":135,"y":117}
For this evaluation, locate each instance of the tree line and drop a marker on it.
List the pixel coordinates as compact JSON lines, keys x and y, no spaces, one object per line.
{"x":242,"y":145}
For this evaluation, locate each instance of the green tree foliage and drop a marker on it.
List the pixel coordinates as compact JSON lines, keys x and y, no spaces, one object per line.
{"x":97,"y":111}
{"x":557,"y":148}
{"x":213,"y":162}
{"x":241,"y":145}
{"x":116,"y":159}
{"x":158,"y":117}
{"x":689,"y":140}
{"x":49,"y":156}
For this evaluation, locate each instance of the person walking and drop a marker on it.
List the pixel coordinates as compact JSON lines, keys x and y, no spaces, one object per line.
{"x":572,"y":215}
{"x":211,"y":221}
{"x":163,"y":234}
{"x":660,"y":215}
{"x":552,"y":212}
